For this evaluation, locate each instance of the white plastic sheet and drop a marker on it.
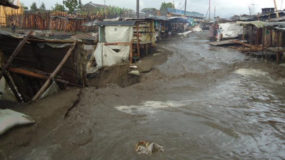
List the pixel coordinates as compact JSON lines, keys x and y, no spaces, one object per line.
{"x":10,"y":119}
{"x":115,"y":34}
{"x":111,"y":55}
{"x":230,"y":30}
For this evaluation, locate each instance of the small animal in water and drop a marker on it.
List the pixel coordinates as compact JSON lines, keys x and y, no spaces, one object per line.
{"x":148,"y":148}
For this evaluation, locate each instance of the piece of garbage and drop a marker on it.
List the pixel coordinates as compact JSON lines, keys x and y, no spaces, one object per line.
{"x":135,"y":72}
{"x":148,"y":148}
{"x":10,"y":119}
{"x":133,"y":67}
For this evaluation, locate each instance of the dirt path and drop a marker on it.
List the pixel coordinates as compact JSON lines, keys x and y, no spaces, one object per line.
{"x":202,"y":103}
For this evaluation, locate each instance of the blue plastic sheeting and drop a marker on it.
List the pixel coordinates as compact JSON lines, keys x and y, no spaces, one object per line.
{"x":181,"y":12}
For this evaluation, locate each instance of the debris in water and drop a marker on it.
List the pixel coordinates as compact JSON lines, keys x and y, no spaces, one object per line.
{"x":135,"y":72}
{"x":148,"y":148}
{"x":133,"y":67}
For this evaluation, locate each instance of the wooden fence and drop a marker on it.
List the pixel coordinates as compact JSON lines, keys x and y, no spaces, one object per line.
{"x":59,"y":21}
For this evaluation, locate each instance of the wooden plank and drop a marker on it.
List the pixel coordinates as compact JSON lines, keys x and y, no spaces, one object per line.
{"x":55,"y":72}
{"x":225,"y":42}
{"x":38,"y":75}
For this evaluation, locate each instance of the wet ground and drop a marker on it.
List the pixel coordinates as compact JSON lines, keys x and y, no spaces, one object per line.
{"x":202,"y":103}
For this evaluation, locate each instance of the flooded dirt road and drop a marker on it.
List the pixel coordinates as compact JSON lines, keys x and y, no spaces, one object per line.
{"x":202,"y":103}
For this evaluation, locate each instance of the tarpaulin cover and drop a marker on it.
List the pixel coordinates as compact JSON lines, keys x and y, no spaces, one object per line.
{"x":257,"y":24}
{"x":10,"y":119}
{"x":230,"y":30}
{"x":111,"y":55}
{"x":115,"y":34}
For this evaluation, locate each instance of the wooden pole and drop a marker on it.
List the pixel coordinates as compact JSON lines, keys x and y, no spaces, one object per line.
{"x":276,"y":9}
{"x":13,"y":87}
{"x":138,"y":9}
{"x":55,"y":72}
{"x":138,"y":42}
{"x":131,"y":52}
{"x":15,"y":53}
{"x":39,"y":75}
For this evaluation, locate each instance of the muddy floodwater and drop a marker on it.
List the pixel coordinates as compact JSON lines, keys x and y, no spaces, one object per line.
{"x":202,"y":103}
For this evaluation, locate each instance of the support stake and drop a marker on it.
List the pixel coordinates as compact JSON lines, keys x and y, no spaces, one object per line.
{"x":55,"y":72}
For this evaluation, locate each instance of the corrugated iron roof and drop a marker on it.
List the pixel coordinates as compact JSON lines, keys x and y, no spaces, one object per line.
{"x":181,"y":12}
{"x":116,"y":23}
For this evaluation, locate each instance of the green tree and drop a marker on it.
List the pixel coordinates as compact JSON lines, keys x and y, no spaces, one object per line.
{"x":79,"y":4}
{"x":164,"y":6}
{"x":59,"y":7}
{"x":71,"y":5}
{"x":24,"y":7}
{"x":42,"y":7}
{"x":34,"y":7}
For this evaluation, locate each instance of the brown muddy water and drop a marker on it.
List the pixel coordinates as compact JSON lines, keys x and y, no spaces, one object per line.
{"x":202,"y":103}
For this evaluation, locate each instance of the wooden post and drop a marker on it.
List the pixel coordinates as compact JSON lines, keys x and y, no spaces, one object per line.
{"x":54,"y":73}
{"x":131,"y":52}
{"x":13,"y":87}
{"x":138,"y":42}
{"x":15,"y":53}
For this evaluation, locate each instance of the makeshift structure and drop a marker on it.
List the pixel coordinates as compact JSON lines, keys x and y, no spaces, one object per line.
{"x":115,"y":43}
{"x":122,"y":41}
{"x":264,"y":38}
{"x":30,"y":69}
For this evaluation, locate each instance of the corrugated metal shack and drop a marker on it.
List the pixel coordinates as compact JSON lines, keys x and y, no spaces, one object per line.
{"x":274,"y":38}
{"x":39,"y":65}
{"x":264,"y":38}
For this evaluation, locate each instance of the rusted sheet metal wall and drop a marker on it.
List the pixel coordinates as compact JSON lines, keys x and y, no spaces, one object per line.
{"x":49,"y":21}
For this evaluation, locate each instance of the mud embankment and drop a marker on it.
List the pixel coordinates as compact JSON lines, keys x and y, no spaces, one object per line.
{"x":120,"y":74}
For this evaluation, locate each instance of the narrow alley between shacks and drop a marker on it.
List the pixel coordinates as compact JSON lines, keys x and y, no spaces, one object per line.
{"x":203,"y":102}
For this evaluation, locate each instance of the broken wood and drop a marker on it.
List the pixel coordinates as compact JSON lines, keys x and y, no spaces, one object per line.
{"x":15,"y":53}
{"x":54,"y":73}
{"x":225,"y":42}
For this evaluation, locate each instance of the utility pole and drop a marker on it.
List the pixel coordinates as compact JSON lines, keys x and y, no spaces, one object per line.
{"x":215,"y":13}
{"x":105,"y":9}
{"x":276,"y":9}
{"x":185,"y":10}
{"x":209,"y":10}
{"x":138,"y":8}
